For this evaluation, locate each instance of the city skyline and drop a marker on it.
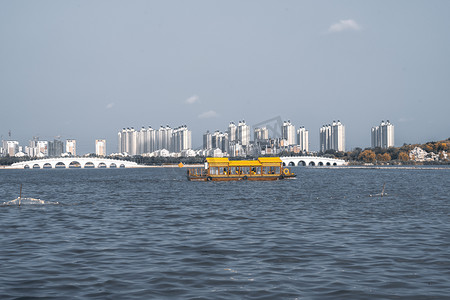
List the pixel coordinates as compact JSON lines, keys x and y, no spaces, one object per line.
{"x":203,"y":63}
{"x":235,"y":141}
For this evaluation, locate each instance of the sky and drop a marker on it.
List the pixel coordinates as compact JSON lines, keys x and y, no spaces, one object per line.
{"x":86,"y":69}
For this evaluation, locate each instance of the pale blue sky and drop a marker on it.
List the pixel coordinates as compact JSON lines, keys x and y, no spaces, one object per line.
{"x":86,"y":69}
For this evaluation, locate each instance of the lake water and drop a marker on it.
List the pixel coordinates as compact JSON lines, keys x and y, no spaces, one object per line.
{"x":151,"y":234}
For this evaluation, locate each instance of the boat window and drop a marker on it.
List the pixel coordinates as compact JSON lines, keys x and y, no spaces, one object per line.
{"x":271,"y":170}
{"x":245,"y":170}
{"x":255,"y":170}
{"x":214,"y":171}
{"x":234,"y":170}
{"x":223,"y":170}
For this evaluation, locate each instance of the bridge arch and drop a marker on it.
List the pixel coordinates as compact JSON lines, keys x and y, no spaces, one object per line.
{"x":89,"y":165}
{"x":320,"y":163}
{"x":74,"y":165}
{"x":301,"y":163}
{"x":101,"y":165}
{"x":112,"y":166}
{"x":36,"y":166}
{"x":47,"y":165}
{"x":291,"y":164}
{"x":311,"y":164}
{"x":60,"y":165}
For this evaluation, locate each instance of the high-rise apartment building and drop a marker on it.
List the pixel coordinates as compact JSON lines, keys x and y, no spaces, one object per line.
{"x":288,"y":132}
{"x":71,"y":147}
{"x":332,"y":137}
{"x":100,"y":147}
{"x":128,"y":141}
{"x":261,"y":134}
{"x":10,"y":147}
{"x":181,"y":139}
{"x":220,"y":140}
{"x":55,"y":148}
{"x":383,"y":135}
{"x":303,"y":139}
{"x":164,"y":138}
{"x":42,"y":148}
{"x":148,"y":140}
{"x":243,"y":133}
{"x":37,"y":148}
{"x":232,"y":132}
{"x":207,"y":140}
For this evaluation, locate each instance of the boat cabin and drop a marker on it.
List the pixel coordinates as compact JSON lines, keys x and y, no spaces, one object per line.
{"x":223,"y":169}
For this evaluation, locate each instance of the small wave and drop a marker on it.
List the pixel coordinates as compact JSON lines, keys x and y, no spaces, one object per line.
{"x":28,"y":201}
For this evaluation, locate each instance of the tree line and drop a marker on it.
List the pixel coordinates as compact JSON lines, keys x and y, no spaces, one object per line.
{"x":392,"y":155}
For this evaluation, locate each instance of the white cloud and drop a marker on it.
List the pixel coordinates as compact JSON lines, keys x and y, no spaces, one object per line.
{"x":208,"y":114}
{"x":344,"y":25}
{"x":110,"y":105}
{"x":192,"y":99}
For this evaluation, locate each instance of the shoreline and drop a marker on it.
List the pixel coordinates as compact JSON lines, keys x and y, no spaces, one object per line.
{"x":418,"y":167}
{"x":137,"y":167}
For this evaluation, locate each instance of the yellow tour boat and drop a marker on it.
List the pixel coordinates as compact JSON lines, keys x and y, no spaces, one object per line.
{"x":223,"y":169}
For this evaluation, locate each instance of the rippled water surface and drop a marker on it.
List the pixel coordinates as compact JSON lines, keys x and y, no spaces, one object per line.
{"x":151,"y":234}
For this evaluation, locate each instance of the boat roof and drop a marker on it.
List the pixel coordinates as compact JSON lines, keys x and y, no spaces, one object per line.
{"x":218,"y":161}
{"x":270,"y":160}
{"x":225,"y":162}
{"x":244,"y":163}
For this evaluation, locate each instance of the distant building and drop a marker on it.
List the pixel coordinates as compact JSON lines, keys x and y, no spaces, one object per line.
{"x":55,"y":148}
{"x":10,"y":148}
{"x":383,"y":135}
{"x":71,"y":147}
{"x":207,"y":140}
{"x":100,"y":147}
{"x":261,"y":134}
{"x":164,"y":138}
{"x":232,"y":132}
{"x":220,"y":141}
{"x":149,"y":140}
{"x":303,"y":139}
{"x":332,"y":137}
{"x":288,"y":132}
{"x":146,"y":140}
{"x":181,"y":139}
{"x":243,"y":134}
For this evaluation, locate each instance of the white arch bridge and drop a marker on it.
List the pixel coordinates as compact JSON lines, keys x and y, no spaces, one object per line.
{"x":74,"y":162}
{"x":312,"y":161}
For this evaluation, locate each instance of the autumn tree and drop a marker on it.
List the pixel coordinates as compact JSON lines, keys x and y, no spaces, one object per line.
{"x":367,"y":156}
{"x":428,"y":148}
{"x":403,"y":156}
{"x":384,"y":157}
